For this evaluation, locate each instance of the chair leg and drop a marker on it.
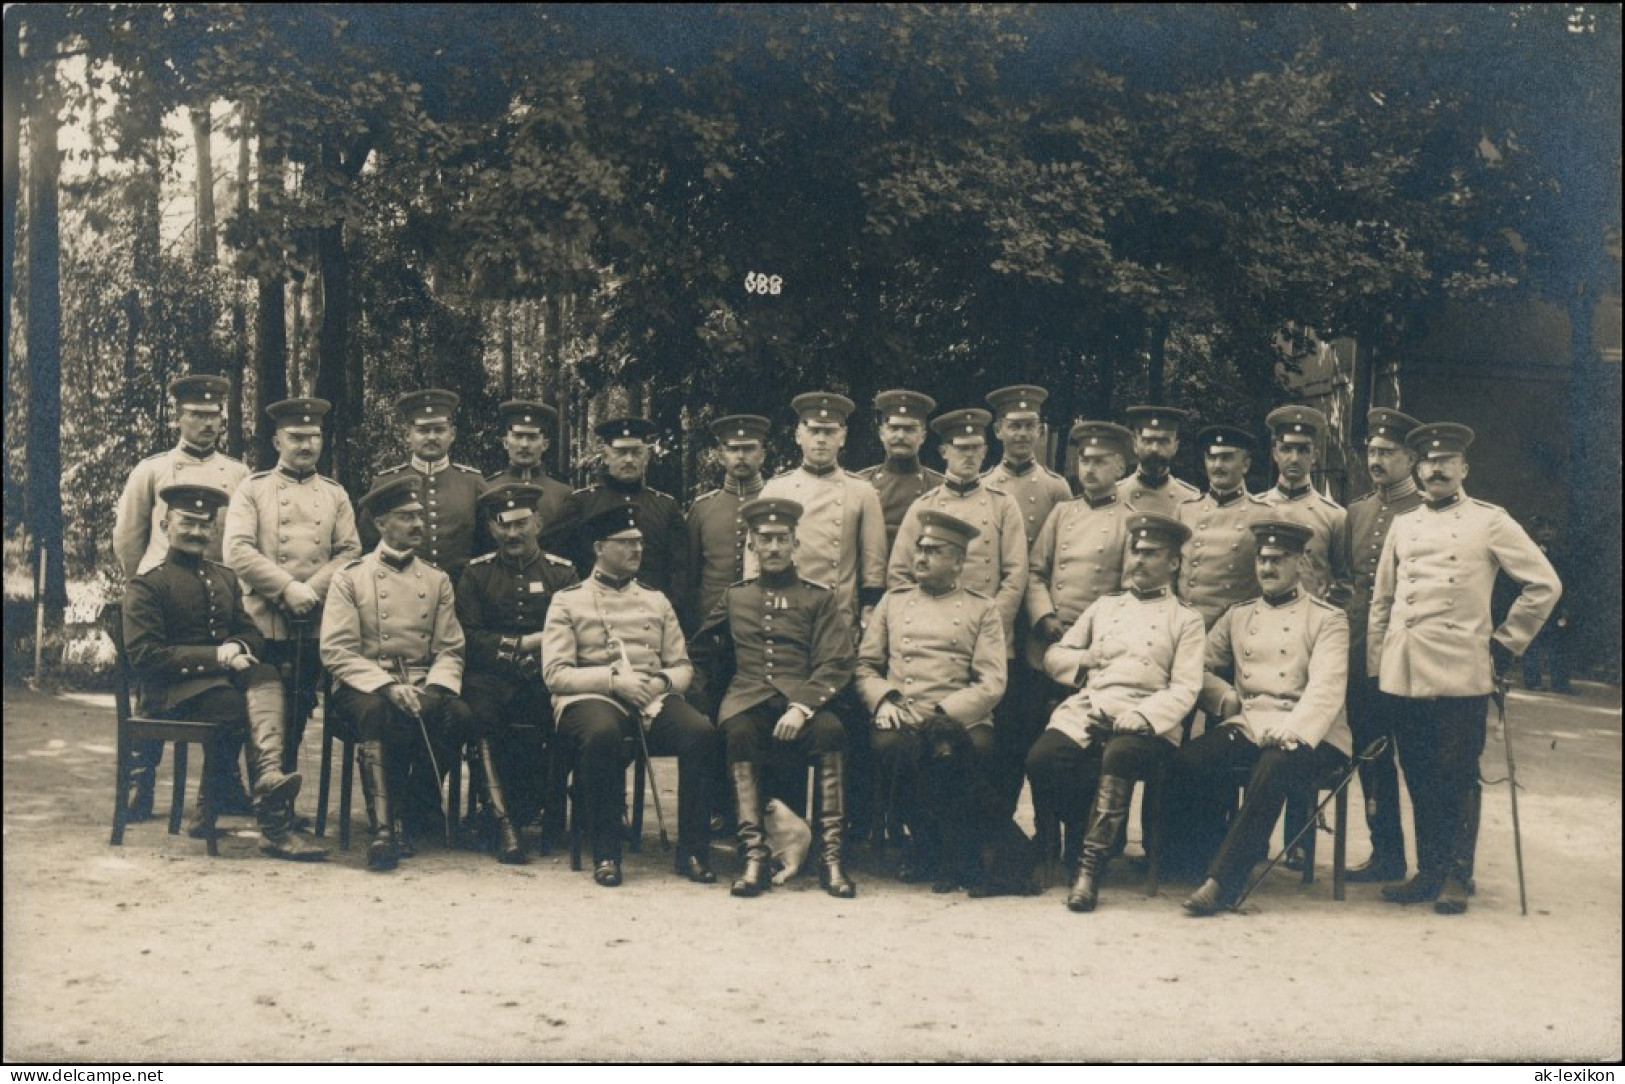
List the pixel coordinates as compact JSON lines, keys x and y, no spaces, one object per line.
{"x":576,"y":831}
{"x":346,"y":781}
{"x":1151,"y":794}
{"x":177,"y":797}
{"x":1309,"y":837}
{"x":640,"y":766}
{"x":121,"y":787}
{"x":324,"y":786}
{"x":1340,"y":844}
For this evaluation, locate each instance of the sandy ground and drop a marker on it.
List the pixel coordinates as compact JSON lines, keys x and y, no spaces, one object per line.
{"x":153,"y":952}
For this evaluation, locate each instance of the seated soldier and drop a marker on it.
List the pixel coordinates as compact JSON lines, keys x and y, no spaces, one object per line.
{"x":391,"y":641}
{"x":613,"y":655}
{"x":788,"y":643}
{"x":1282,"y":716}
{"x":502,"y":601}
{"x":930,"y":670}
{"x":1138,"y":656}
{"x":196,"y":655}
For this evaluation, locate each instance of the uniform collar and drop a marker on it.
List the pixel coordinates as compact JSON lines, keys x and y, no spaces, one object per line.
{"x":523,"y":474}
{"x":820,"y":472}
{"x":1282,"y":599}
{"x":779,"y":580}
{"x":531,"y":559}
{"x":1149,"y":482}
{"x":185,"y":560}
{"x":1101,"y":502}
{"x":1149,"y":596}
{"x":1018,"y":469}
{"x":614,"y":583}
{"x":190,"y":452}
{"x":295,"y":475}
{"x":908,"y":464}
{"x":953,"y":485}
{"x":1440,"y":506}
{"x":939,"y":593}
{"x":1293,"y":494}
{"x":423,"y":466}
{"x":619,"y":486}
{"x":742,"y":489}
{"x":395,"y":559}
{"x":1397,"y":491}
{"x":1224,"y":500}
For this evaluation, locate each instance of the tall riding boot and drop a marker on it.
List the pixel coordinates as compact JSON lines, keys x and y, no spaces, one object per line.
{"x":756,"y":876}
{"x":383,"y":853}
{"x":206,"y":810}
{"x":510,"y":851}
{"x":831,"y":814}
{"x":273,"y":791}
{"x":144,"y":758}
{"x":1111,"y":810}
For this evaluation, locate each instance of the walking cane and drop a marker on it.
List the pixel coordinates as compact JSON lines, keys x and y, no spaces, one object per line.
{"x":434,"y":762}
{"x":1369,"y":754}
{"x":648,"y":762}
{"x":1500,"y":698}
{"x":294,"y":730}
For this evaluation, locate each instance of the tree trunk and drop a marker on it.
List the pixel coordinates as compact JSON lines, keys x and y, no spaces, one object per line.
{"x":1156,"y":377}
{"x":507,"y":349}
{"x":1594,"y":487}
{"x":13,"y":185}
{"x":43,"y":503}
{"x":270,"y":327}
{"x":332,"y":377}
{"x":203,"y":231}
{"x":240,"y":352}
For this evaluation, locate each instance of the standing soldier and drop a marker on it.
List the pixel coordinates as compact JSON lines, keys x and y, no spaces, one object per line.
{"x":901,"y":477}
{"x":1136,"y":659}
{"x":933,"y":659}
{"x":626,"y":453}
{"x":287,"y":531}
{"x":450,"y":490}
{"x":1432,"y":649}
{"x":139,"y":543}
{"x":502,"y":601}
{"x":198,"y":655}
{"x":391,"y":641}
{"x":716,"y":529}
{"x":1217,"y":571}
{"x":1036,"y":490}
{"x":1296,"y":435}
{"x":1152,"y":487}
{"x":788,"y":645}
{"x":1391,"y":463}
{"x":527,"y":435}
{"x":1282,"y":711}
{"x":613,"y":656}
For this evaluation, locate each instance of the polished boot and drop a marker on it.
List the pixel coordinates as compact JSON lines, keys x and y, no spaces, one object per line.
{"x":510,"y":851}
{"x":831,"y":814}
{"x":1206,"y":900}
{"x":1111,"y":810}
{"x":1383,"y":865}
{"x":267,"y":723}
{"x":756,"y":876}
{"x":1380,"y":782}
{"x":231,"y":794}
{"x":206,"y":810}
{"x":144,"y":757}
{"x":384,"y":852}
{"x":1422,"y":888}
{"x":281,"y":840}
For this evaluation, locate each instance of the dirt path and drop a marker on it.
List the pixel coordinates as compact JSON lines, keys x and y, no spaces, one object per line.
{"x":154,"y":952}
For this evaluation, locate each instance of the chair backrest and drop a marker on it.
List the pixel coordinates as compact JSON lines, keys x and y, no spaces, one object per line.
{"x":123,"y":678}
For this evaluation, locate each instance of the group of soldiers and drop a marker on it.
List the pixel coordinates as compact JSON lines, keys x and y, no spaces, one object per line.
{"x":925,"y":643}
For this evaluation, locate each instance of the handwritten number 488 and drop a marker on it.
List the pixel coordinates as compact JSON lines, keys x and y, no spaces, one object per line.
{"x":763,"y":284}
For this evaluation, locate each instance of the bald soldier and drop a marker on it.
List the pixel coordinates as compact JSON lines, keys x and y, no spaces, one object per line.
{"x":901,"y":478}
{"x":1135,"y":658}
{"x":842,"y":531}
{"x":1217,"y":572}
{"x":1282,"y":713}
{"x":627,"y":445}
{"x":1390,"y":463}
{"x":287,"y":531}
{"x":1152,"y":487}
{"x":450,"y":490}
{"x":783,"y":647}
{"x":197,"y":655}
{"x":528,"y":427}
{"x":1297,"y":434}
{"x":1437,"y":656}
{"x":930,"y":672}
{"x":391,"y":641}
{"x":140,"y":541}
{"x":716,"y":529}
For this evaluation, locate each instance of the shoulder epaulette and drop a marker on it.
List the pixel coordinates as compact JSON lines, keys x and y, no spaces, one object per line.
{"x":707,"y":495}
{"x":350,"y":564}
{"x":484,"y":559}
{"x":648,"y":586}
{"x":157,"y":455}
{"x":1486,"y":504}
{"x":1052,"y":473}
{"x":1183,"y":605}
{"x":1323,"y":604}
{"x":392,"y":470}
{"x":573,"y":587}
{"x":744,"y":582}
{"x":867,"y":473}
{"x":1362,"y":498}
{"x":553,"y":558}
{"x":583,"y":490}
{"x":334,"y":482}
{"x":903,"y":588}
{"x":659,"y":493}
{"x":974,"y":593}
{"x":1258,"y":499}
{"x":1116,"y":594}
{"x":854,"y":475}
{"x":466,"y":469}
{"x":262,"y":474}
{"x":991,"y":488}
{"x":431,"y":564}
{"x":821,"y":585}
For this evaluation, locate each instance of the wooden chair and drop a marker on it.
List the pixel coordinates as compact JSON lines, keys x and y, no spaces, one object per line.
{"x":134,"y":728}
{"x":1051,"y":843}
{"x":1311,"y":800}
{"x":338,"y":728}
{"x":559,"y":771}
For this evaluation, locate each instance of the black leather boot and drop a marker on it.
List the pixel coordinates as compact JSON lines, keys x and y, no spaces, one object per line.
{"x":383,"y":853}
{"x":510,"y":851}
{"x":1111,"y":810}
{"x":756,"y":876}
{"x":274,"y":790}
{"x":206,"y":810}
{"x":831,"y":815}
{"x":144,"y":758}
